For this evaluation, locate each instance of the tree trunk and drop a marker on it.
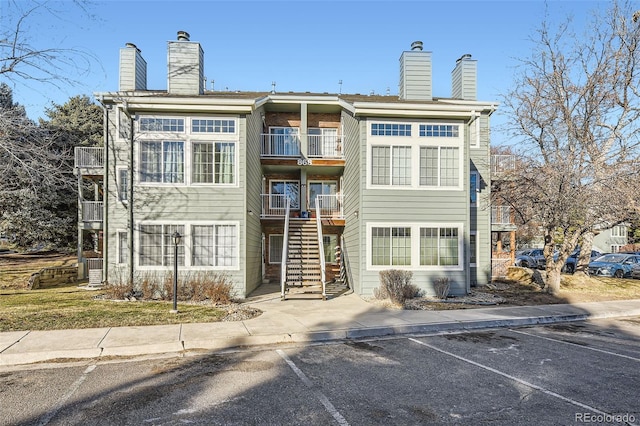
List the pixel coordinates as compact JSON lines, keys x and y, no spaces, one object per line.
{"x":582,"y":262}
{"x":552,"y":285}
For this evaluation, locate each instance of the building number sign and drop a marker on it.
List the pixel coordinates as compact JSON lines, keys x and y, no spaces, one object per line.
{"x":304,"y":162}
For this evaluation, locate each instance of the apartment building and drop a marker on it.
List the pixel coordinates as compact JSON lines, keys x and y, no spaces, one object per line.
{"x":300,"y":189}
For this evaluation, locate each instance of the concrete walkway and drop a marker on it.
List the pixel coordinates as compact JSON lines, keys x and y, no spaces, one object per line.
{"x":291,"y":321}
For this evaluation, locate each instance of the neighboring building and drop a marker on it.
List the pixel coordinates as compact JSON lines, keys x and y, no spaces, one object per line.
{"x":299,"y":188}
{"x":611,"y":240}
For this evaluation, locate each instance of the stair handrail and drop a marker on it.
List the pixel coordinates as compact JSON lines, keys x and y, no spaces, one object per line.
{"x":285,"y":249}
{"x":323,"y":277}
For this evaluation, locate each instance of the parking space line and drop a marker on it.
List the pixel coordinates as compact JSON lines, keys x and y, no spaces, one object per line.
{"x":323,"y":399}
{"x":515,"y":379}
{"x":551,"y":339}
{"x":44,"y":420}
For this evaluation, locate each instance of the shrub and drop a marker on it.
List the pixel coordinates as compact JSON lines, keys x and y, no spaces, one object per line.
{"x":441,"y":287}
{"x":396,"y":285}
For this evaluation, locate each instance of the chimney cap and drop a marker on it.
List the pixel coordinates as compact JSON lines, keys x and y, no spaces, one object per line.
{"x":183,"y":36}
{"x":416,"y":45}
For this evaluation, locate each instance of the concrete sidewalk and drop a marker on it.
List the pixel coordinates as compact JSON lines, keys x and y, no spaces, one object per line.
{"x":291,"y":321}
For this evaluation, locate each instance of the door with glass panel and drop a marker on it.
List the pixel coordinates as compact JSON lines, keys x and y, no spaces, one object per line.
{"x":323,"y":194}
{"x":281,"y":190}
{"x":284,"y":141}
{"x":322,"y":142}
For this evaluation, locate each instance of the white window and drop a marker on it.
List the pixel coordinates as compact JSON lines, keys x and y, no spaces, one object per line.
{"x":275,"y":248}
{"x":162,"y":161}
{"x":123,"y":184}
{"x":284,"y":141}
{"x":157,"y":245}
{"x":214,"y":245}
{"x":213,"y":162}
{"x":213,"y":126}
{"x":282,"y":190}
{"x":473,"y":248}
{"x":391,"y":165}
{"x":123,"y":247}
{"x":440,"y":130}
{"x":153,"y":124}
{"x":330,"y":242}
{"x":327,"y":191}
{"x":619,"y":231}
{"x":391,"y":246}
{"x":474,"y":187}
{"x":439,"y":166}
{"x":390,"y":129}
{"x":322,"y":142}
{"x":415,"y":246}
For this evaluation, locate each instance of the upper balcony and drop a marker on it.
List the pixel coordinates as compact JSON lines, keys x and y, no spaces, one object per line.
{"x":91,"y":213}
{"x":502,"y":163}
{"x":327,"y":146}
{"x":502,"y":218}
{"x":89,"y":160}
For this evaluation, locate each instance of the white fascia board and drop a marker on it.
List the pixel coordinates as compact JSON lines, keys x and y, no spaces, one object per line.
{"x":314,"y":99}
{"x":422,"y":110}
{"x":151,"y":101}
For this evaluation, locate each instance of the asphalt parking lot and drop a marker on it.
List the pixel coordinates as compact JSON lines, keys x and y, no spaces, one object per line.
{"x":567,"y":373}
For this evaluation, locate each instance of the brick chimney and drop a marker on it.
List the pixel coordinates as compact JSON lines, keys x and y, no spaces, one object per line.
{"x":464,"y":79}
{"x":133,"y":69}
{"x":415,"y":74}
{"x":185,"y":63}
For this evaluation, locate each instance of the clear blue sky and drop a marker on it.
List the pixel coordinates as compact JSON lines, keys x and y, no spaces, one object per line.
{"x":301,"y":45}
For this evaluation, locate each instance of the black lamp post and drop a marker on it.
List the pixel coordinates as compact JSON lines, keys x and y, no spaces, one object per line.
{"x":176,"y":241}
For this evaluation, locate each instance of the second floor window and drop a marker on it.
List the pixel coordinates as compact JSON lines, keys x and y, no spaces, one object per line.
{"x":439,"y":166}
{"x":162,"y":162}
{"x":391,"y":165}
{"x":214,"y":162}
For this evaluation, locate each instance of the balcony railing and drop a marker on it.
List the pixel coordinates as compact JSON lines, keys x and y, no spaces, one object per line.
{"x":501,"y":215}
{"x":324,"y":146}
{"x":89,"y":157}
{"x":501,"y":163}
{"x":330,"y":205}
{"x":280,"y":145}
{"x":92,"y":211}
{"x":274,"y":206}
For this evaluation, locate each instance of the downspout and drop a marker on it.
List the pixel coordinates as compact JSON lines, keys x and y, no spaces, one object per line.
{"x":125,"y":109}
{"x":105,"y":199}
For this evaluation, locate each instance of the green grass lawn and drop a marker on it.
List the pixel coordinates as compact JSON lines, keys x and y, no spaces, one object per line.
{"x":69,"y":306}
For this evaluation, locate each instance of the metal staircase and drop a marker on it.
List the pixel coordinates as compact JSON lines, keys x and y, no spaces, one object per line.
{"x":303,"y":263}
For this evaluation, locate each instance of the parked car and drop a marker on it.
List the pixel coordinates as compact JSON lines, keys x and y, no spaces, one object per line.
{"x":531,"y":258}
{"x":572,"y":260}
{"x":617,"y":265}
{"x":635,"y":271}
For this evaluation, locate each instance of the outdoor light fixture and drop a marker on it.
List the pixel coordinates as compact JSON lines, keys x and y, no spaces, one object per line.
{"x":177,"y":238}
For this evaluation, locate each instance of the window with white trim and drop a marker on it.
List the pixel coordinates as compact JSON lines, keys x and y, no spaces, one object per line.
{"x":199,"y":125}
{"x":123,"y":247}
{"x":417,"y":246}
{"x":619,"y":231}
{"x":156,"y":246}
{"x":391,"y":245}
{"x":281,"y":190}
{"x":439,"y":166}
{"x":390,"y":129}
{"x":162,"y":161}
{"x":275,"y":248}
{"x":391,"y":165}
{"x":214,"y":245}
{"x":160,"y":124}
{"x":123,"y":184}
{"x":213,"y":162}
{"x":473,"y":248}
{"x":330,"y":242}
{"x":439,"y":130}
{"x":474,"y":187}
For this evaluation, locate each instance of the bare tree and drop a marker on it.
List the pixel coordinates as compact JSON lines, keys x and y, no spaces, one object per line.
{"x":23,"y":61}
{"x":574,"y":111}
